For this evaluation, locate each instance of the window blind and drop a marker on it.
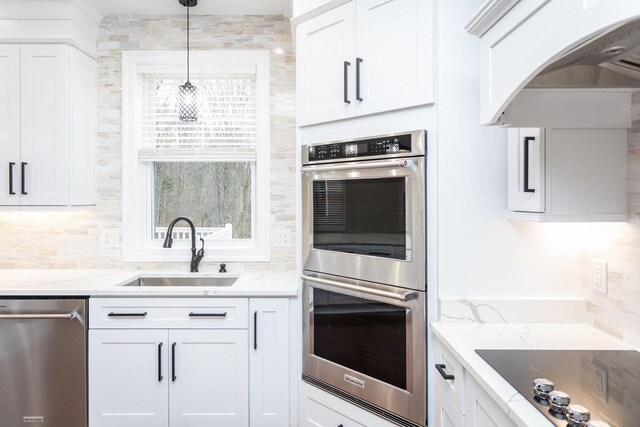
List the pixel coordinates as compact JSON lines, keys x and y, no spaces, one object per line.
{"x":226,"y":129}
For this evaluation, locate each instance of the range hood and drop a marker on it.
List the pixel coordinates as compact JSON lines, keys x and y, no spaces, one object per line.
{"x":609,"y":60}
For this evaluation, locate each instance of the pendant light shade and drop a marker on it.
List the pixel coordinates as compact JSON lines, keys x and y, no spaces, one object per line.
{"x":188,"y":93}
{"x":187,"y":97}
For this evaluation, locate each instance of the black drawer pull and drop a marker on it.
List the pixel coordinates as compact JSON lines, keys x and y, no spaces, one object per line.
{"x":24,"y":191}
{"x":527,"y":139}
{"x":255,"y":330}
{"x":208,"y":314}
{"x":345,"y":82}
{"x":160,"y":377}
{"x":11,"y":165}
{"x":440,"y":368}
{"x":358,"y":96}
{"x":173,"y":362}
{"x":143,"y":314}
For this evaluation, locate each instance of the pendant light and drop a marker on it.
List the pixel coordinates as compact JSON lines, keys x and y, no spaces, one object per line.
{"x":188,"y":93}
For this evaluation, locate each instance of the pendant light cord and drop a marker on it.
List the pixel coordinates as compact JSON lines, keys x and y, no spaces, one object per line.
{"x":188,"y":25}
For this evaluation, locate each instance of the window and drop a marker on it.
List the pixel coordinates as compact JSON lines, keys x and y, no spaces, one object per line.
{"x":213,"y":171}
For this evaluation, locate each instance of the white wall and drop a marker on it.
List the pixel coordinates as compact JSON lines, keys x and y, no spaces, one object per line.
{"x":480,"y":253}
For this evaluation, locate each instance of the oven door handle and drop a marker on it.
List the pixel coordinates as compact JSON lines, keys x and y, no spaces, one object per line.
{"x":404,"y":297}
{"x":401,"y":163}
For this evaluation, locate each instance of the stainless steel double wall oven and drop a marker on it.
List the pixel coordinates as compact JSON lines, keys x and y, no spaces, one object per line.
{"x":364,"y":254}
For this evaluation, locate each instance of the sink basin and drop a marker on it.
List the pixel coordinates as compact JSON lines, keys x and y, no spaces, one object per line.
{"x":184,"y":281}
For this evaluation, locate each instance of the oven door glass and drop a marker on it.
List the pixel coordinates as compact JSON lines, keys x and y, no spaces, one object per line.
{"x":361,"y":216}
{"x":365,"y":336}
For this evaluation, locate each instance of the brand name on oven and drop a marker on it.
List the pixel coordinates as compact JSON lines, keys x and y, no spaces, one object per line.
{"x":354,"y":380}
{"x":33,"y":419}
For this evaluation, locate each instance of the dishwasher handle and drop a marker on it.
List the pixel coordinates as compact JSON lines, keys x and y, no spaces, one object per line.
{"x":40,"y":316}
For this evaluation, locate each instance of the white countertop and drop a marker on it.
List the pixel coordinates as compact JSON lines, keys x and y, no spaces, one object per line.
{"x":111,"y":283}
{"x":462,"y":339}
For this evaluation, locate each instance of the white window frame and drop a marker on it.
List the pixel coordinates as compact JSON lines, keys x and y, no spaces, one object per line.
{"x":137,"y":183}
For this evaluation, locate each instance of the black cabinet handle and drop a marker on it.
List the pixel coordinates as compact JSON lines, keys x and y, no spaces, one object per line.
{"x":255,"y":330}
{"x":173,"y":362}
{"x":160,"y":377}
{"x":208,"y":314}
{"x":24,"y":165}
{"x":446,"y":376}
{"x":527,"y":139}
{"x":346,"y":82}
{"x":143,"y":314}
{"x":358,"y":62}
{"x":11,"y":165}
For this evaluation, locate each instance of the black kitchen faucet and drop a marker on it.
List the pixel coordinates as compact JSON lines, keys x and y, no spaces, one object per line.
{"x":196,"y":257}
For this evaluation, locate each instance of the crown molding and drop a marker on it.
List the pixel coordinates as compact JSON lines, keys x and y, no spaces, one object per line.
{"x":490,"y":13}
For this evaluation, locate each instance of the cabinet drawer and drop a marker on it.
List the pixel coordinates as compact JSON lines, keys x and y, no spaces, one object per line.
{"x":174,"y":313}
{"x":321,"y":415}
{"x":454,"y":388}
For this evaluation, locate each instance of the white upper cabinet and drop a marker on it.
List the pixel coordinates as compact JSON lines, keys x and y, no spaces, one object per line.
{"x":269,"y":362}
{"x":526,"y":169}
{"x":326,"y":62}
{"x":9,"y":124}
{"x":394,"y":60}
{"x":567,"y":174}
{"x":520,"y":38}
{"x":44,"y":160}
{"x":50,"y":157}
{"x":364,"y":57}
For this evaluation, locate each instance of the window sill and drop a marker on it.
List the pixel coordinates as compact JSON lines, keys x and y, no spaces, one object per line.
{"x":235,"y":254}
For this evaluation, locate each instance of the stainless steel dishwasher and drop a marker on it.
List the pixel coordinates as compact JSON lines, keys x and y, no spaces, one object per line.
{"x":43,"y":363}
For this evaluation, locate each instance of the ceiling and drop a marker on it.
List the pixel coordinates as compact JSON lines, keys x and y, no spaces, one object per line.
{"x":205,"y":7}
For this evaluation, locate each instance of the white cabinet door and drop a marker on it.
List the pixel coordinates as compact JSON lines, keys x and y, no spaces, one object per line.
{"x":395,"y":51}
{"x":209,"y":378}
{"x":446,"y":414}
{"x":326,"y":66}
{"x":9,"y":124}
{"x":526,"y":170}
{"x":128,"y":378}
{"x":44,"y":124}
{"x":482,"y":411}
{"x":269,"y":362}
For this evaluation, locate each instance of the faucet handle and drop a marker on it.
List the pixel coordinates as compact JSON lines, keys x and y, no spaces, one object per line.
{"x":223,"y":268}
{"x":201,"y":251}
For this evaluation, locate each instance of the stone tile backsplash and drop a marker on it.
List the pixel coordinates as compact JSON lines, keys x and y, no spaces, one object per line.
{"x":70,"y":239}
{"x":618,"y":312}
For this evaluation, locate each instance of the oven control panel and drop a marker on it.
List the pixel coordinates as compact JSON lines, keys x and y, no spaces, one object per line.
{"x":389,"y":145}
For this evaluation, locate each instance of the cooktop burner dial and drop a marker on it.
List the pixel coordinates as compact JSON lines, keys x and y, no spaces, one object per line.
{"x":577,"y":416}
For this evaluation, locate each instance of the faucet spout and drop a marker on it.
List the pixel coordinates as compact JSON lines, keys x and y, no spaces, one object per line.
{"x":196,"y":257}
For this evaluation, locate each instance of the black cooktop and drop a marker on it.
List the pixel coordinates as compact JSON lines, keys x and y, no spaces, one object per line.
{"x":607,"y":383}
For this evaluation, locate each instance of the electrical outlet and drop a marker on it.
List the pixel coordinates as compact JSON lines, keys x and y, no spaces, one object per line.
{"x":600,"y":382}
{"x":109,"y":239}
{"x":282,"y":238}
{"x":600,"y":282}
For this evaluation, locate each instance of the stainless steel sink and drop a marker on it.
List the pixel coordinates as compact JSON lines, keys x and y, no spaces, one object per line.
{"x":184,"y":281}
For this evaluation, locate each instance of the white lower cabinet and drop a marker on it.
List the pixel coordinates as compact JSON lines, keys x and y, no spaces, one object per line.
{"x":459,"y":400}
{"x":318,"y":408}
{"x":194,"y":374}
{"x":482,"y":411}
{"x":128,"y":377}
{"x":446,"y":414}
{"x":209,"y":378}
{"x":269,"y":362}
